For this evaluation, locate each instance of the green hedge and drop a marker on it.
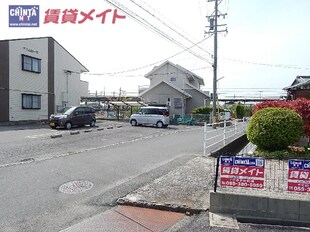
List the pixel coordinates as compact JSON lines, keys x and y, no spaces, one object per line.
{"x":274,"y":129}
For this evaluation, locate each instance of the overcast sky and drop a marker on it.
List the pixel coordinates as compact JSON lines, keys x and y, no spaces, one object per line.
{"x":266,"y":47}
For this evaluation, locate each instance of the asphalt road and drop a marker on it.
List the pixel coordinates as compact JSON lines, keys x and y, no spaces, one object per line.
{"x":115,"y":161}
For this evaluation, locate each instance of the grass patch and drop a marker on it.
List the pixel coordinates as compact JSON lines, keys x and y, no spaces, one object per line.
{"x":290,"y":153}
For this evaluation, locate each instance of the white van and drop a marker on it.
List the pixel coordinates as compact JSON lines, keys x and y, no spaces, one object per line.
{"x":151,"y":115}
{"x":225,"y":116}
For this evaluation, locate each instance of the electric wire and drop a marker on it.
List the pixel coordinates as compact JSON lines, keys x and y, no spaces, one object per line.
{"x":151,"y":27}
{"x":165,"y":24}
{"x":148,"y":65}
{"x":266,"y":64}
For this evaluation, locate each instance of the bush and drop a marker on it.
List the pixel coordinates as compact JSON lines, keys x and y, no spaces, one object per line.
{"x":274,"y":104}
{"x":202,"y":110}
{"x":300,"y":106}
{"x":240,"y":111}
{"x":274,"y":129}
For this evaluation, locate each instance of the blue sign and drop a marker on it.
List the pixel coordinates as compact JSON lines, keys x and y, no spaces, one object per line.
{"x":299,"y":164}
{"x":24,"y":16}
{"x":241,"y":161}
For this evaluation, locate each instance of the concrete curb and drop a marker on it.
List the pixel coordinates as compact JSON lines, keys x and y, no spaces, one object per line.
{"x":74,"y":132}
{"x":56,"y":136}
{"x":85,"y":131}
{"x":166,"y":207}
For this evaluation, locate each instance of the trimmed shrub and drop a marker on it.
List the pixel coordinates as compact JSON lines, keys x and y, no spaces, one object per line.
{"x":300,"y":106}
{"x":274,"y":129}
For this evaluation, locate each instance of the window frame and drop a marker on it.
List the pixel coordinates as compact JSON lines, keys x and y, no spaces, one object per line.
{"x":32,"y":102}
{"x":34,"y":64}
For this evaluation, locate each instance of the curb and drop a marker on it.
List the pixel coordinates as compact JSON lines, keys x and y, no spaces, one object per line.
{"x":85,"y":131}
{"x":56,"y":136}
{"x":74,"y":132}
{"x":167,"y":207}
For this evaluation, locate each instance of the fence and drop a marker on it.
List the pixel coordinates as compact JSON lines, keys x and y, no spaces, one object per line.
{"x":217,"y":135}
{"x":276,"y":180}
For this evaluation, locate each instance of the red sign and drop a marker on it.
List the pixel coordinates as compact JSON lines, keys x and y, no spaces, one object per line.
{"x":298,"y":176}
{"x":298,"y":187}
{"x":243,"y":171}
{"x":245,"y":183}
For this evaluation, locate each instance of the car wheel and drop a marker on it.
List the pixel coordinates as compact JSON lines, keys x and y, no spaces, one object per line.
{"x":68,"y":125}
{"x":159,"y":124}
{"x":133,"y":122}
{"x":92,"y":123}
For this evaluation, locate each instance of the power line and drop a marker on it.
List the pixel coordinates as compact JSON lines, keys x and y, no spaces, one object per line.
{"x":164,"y":23}
{"x":151,"y":27}
{"x":149,"y":65}
{"x":267,"y":64}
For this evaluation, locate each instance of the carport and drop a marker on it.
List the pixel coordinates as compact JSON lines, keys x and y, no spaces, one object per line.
{"x":130,"y":104}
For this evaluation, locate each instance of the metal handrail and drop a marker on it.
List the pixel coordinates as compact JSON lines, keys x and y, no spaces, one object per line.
{"x":223,"y":134}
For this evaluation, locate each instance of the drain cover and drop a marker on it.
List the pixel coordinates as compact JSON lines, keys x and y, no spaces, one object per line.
{"x":222,"y":220}
{"x":77,"y":186}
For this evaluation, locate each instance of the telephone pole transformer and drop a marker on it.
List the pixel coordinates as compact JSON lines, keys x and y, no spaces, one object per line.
{"x":213,"y":29}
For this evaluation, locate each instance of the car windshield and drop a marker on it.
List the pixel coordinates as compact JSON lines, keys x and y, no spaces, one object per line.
{"x":62,"y":110}
{"x":69,"y":111}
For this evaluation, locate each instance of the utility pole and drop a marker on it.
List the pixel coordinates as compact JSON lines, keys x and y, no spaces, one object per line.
{"x":213,"y":29}
{"x":215,"y":65}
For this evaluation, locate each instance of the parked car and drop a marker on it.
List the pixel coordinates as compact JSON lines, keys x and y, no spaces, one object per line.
{"x":150,"y":115}
{"x":225,"y":116}
{"x":74,"y":116}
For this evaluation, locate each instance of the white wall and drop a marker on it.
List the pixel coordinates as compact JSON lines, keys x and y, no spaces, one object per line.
{"x":27,"y":82}
{"x":37,"y":83}
{"x":165,"y":73}
{"x":68,"y":87}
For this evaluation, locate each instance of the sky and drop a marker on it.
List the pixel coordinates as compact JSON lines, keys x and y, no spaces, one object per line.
{"x":266,"y":45}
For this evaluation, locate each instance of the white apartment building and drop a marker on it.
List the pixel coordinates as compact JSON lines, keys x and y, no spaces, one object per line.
{"x":37,"y":76}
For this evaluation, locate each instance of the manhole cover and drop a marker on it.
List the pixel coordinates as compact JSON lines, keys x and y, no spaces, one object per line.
{"x":77,"y":186}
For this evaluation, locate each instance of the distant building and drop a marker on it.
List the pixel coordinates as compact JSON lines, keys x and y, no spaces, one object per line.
{"x":300,"y":88}
{"x":176,"y":87}
{"x":37,"y":76}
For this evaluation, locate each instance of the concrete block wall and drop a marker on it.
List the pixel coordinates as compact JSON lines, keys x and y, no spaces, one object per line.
{"x":268,"y":208}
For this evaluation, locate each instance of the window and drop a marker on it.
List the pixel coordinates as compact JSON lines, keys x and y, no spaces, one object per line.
{"x":177,"y":103}
{"x":152,"y":111}
{"x":31,"y":64}
{"x":30,"y":101}
{"x":79,"y":111}
{"x":173,"y":78}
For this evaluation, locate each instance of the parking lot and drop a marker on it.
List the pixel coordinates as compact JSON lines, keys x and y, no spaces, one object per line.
{"x":26,"y":143}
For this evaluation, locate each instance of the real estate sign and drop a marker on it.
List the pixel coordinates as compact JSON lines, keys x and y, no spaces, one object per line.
{"x":298,"y":176}
{"x":242,"y":172}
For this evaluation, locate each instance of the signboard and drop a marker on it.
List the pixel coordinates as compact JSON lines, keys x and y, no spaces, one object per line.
{"x":298,"y":176}
{"x":24,"y":16}
{"x":242,"y":172}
